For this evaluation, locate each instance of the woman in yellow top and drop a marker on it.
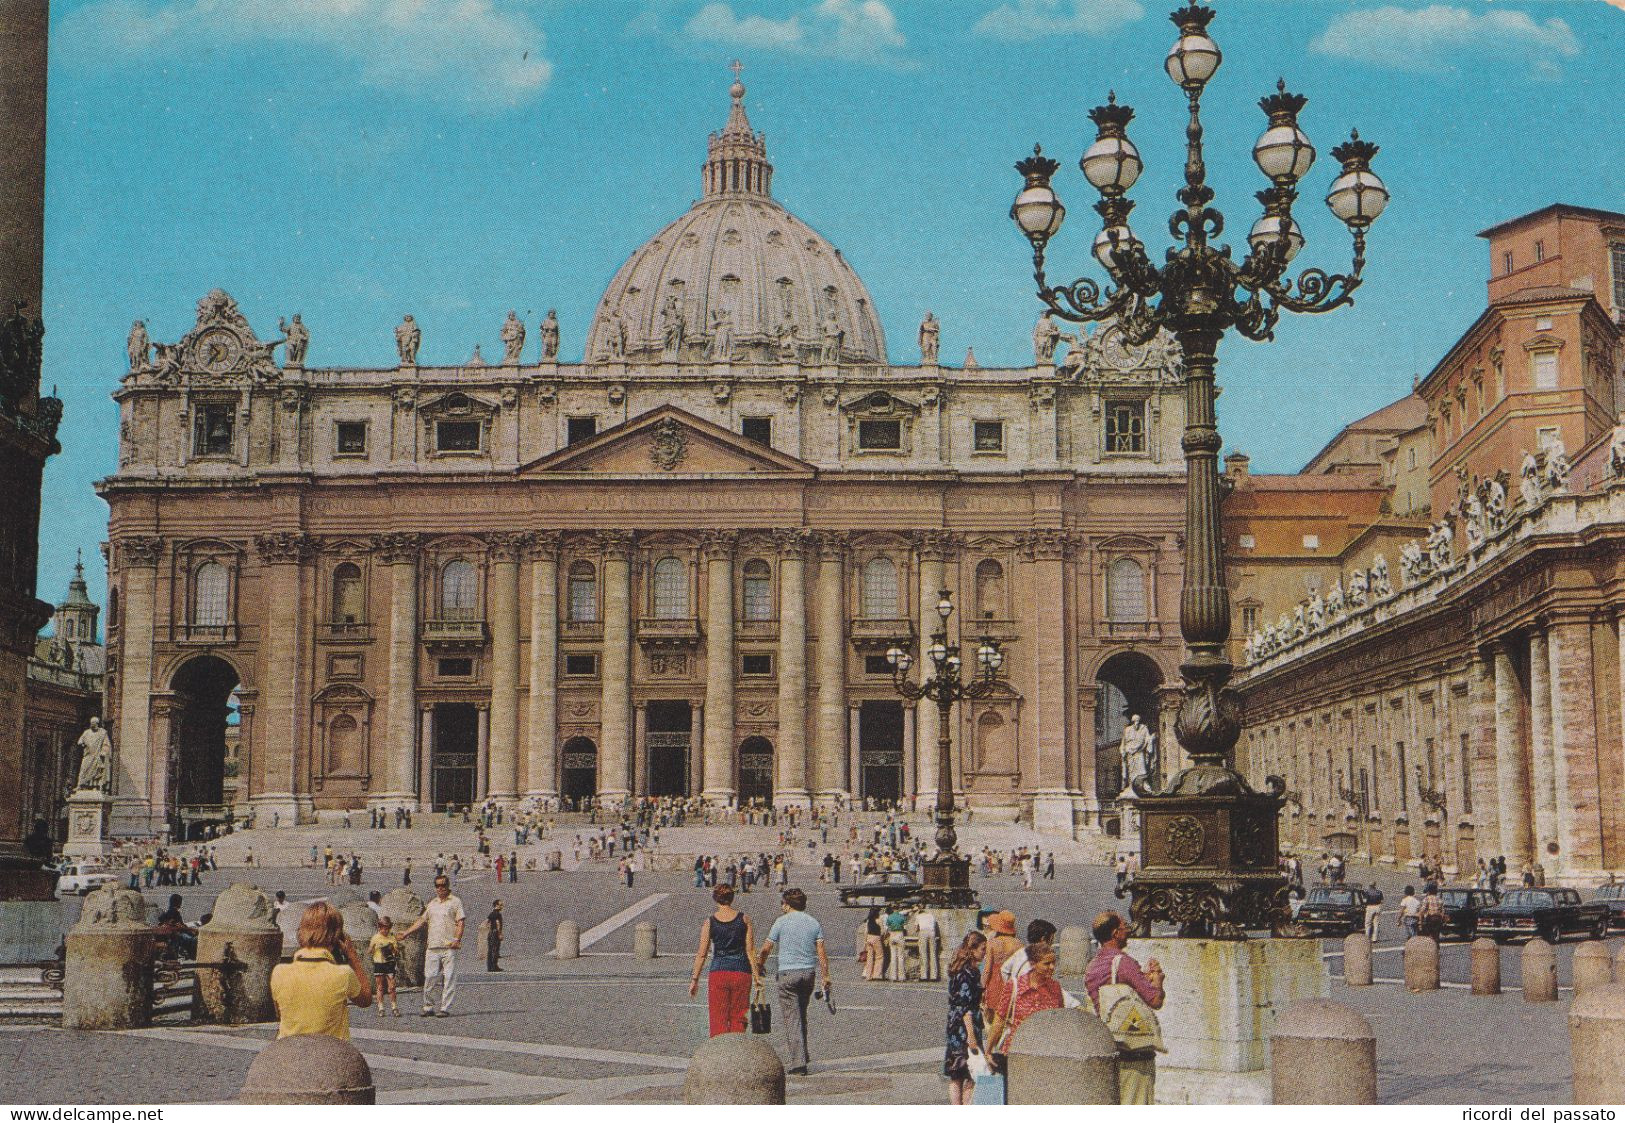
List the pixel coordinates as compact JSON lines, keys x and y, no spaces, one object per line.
{"x":385,"y":950}
{"x":312,"y":992}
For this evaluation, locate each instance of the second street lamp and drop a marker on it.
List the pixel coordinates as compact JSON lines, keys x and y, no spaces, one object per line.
{"x":1209,"y":840}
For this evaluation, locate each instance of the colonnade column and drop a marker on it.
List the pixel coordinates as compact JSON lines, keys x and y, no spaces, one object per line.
{"x":426,"y":757}
{"x":927,"y":722}
{"x":503,"y":780}
{"x":831,"y":779}
{"x":719,"y":667}
{"x":482,"y":752}
{"x":790,"y":756}
{"x":1543,"y":779}
{"x":615,"y":668}
{"x":1574,"y":745}
{"x":394,"y":785}
{"x":1052,"y":787}
{"x":136,"y":555}
{"x":283,"y":554}
{"x":1511,"y":765}
{"x":854,"y":761}
{"x":640,"y":749}
{"x":541,"y":757}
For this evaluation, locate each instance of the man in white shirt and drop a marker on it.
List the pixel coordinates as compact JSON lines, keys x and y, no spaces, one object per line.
{"x":444,"y":918}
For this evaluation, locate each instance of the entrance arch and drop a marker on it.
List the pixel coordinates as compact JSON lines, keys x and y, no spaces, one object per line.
{"x":667,"y":744}
{"x":756,"y":771}
{"x":579,"y":760}
{"x":1127,"y":684}
{"x":201,"y":690}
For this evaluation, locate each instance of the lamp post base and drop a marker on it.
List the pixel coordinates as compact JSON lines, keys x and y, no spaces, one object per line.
{"x":946,"y":880}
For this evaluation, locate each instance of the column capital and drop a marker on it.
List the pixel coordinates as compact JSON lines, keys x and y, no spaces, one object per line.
{"x":397,"y":548}
{"x":139,"y":550}
{"x":613,"y":543}
{"x":506,"y":545}
{"x":1047,"y":544}
{"x":285,"y":547}
{"x":543,"y":545}
{"x":935,"y":545}
{"x":792,"y":542}
{"x":831,"y":544}
{"x":719,"y":544}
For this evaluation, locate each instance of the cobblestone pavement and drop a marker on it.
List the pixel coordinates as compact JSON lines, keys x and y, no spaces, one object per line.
{"x":610,"y":1028}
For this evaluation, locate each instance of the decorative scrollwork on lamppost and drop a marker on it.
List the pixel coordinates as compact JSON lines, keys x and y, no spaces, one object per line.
{"x":1197,"y":294}
{"x":947,"y":874}
{"x":1432,"y":797}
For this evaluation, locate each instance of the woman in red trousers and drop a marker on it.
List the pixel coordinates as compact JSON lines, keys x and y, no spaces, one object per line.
{"x":731,"y":941}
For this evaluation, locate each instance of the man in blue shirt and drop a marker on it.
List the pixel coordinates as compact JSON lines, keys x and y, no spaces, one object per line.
{"x":799,"y":939}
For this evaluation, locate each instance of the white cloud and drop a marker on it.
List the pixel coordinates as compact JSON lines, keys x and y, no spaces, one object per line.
{"x":857,"y":30}
{"x":461,"y":50}
{"x":1026,"y":20}
{"x":1438,"y":36}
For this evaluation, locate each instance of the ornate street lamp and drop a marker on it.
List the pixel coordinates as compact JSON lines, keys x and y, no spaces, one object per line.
{"x":947,"y":874}
{"x":1433,"y":798}
{"x":1208,"y":840}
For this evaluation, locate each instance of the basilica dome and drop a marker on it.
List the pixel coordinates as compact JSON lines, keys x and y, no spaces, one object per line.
{"x":737,"y":277}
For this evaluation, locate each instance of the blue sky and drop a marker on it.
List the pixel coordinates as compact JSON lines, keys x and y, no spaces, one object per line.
{"x":352,"y":160}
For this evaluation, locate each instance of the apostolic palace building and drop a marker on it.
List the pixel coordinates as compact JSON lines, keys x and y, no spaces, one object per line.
{"x":672,"y":568}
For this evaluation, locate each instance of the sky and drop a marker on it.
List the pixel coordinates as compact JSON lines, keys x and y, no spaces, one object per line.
{"x":354,"y":160}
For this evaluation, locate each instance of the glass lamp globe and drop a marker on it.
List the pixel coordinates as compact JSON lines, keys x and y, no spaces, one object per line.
{"x":996,"y":660}
{"x":1357,"y":197}
{"x":1114,"y":242}
{"x":1038,"y":211}
{"x":893,"y":654}
{"x":1284,"y":153}
{"x":953,"y":664}
{"x":938,"y":652}
{"x":945,"y":607}
{"x":984,"y":654}
{"x":1192,"y":60}
{"x":904,"y":662}
{"x":1112,"y":164}
{"x":1267,"y":230}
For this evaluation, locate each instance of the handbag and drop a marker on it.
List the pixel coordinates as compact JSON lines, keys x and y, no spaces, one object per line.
{"x":977,"y":1064}
{"x":989,"y":1090}
{"x":1132,"y":1022}
{"x":761,"y":1014}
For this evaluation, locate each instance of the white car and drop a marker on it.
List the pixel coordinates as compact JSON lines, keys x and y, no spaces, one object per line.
{"x":82,"y":877}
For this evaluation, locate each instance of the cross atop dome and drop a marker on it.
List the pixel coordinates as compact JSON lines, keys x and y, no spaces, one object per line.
{"x":736,"y":158}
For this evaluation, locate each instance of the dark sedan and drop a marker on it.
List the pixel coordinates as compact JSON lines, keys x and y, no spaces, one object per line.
{"x":1614,"y":897}
{"x":1549,"y":914}
{"x":1334,"y":910}
{"x":1461,"y":909}
{"x":881,"y":889}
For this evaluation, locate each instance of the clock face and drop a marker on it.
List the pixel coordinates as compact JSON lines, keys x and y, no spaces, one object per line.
{"x":218,"y":350}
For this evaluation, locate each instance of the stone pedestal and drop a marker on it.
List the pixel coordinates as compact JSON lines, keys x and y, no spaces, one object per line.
{"x":88,"y":818}
{"x":108,"y":981}
{"x":241,"y":921}
{"x":952,"y":927}
{"x":1062,"y":1057}
{"x":1052,"y":813}
{"x":308,"y":1069}
{"x":1222,"y":1000}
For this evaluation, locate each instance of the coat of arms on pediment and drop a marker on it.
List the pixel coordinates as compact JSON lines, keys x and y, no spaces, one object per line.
{"x":881,"y":403}
{"x":222,"y":347}
{"x":1110,"y":356}
{"x":457,"y":405}
{"x":670,"y":444}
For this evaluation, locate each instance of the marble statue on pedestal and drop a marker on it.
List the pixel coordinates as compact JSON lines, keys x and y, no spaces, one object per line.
{"x":930,"y":329}
{"x":1138,"y":747}
{"x":1381,"y":587}
{"x":1357,"y":590}
{"x":298,"y":340}
{"x":1557,"y":466}
{"x":96,"y":765}
{"x":513,"y":338}
{"x":1334,"y":599}
{"x":721,"y":347}
{"x":1045,"y":336}
{"x":550,"y":337}
{"x":407,"y":338}
{"x":139,"y":346}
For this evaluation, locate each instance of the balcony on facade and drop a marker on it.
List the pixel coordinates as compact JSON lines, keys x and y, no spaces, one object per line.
{"x":1149,"y":630}
{"x":344,"y":630}
{"x":663,"y":633}
{"x":586,"y":630}
{"x":757,"y":629}
{"x":454,"y":633}
{"x":879,"y":634}
{"x":206,"y":633}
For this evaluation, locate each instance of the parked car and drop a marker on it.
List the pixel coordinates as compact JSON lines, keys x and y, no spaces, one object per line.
{"x":1334,"y":910}
{"x":1614,"y":897}
{"x":1462,"y":908}
{"x":82,"y":877}
{"x":1549,"y":913}
{"x":881,"y":889}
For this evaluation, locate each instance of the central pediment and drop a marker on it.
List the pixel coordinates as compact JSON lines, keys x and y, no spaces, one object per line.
{"x":669,"y":441}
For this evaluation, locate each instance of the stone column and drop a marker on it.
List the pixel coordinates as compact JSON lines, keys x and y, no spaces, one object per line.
{"x":927,"y":723}
{"x":831,"y":778}
{"x":1542,"y":776}
{"x":541,"y":764}
{"x":136,"y":555}
{"x":696,"y":743}
{"x":1511,"y":763}
{"x":1052,"y":790}
{"x":854,"y":774}
{"x":425,"y":759}
{"x":1574,"y":745}
{"x":912,"y":754}
{"x":399,"y":552}
{"x":615,"y":667}
{"x":640,"y":749}
{"x":790,"y":755}
{"x":482,"y":752}
{"x":503,"y":777}
{"x":719,"y":667}
{"x":282,"y":555}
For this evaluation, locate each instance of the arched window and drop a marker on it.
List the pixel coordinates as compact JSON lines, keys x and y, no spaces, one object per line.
{"x":112,"y":608}
{"x":459,"y":590}
{"x":343,"y":746}
{"x":879,"y":590}
{"x":989,"y":588}
{"x":670,"y":589}
{"x":1125,"y":590}
{"x":583,"y":602}
{"x":211,"y":592}
{"x":758,"y":580}
{"x":348,"y":601}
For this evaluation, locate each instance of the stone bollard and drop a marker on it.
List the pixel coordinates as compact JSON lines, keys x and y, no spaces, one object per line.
{"x":1593,"y":967}
{"x":108,"y":978}
{"x":1486,"y":966}
{"x":1072,"y":952}
{"x":1539,"y":962}
{"x":241,"y":922}
{"x":1597,"y":1045}
{"x":1421,"y":964}
{"x":1062,"y":1057}
{"x":361,"y":925}
{"x":734,"y":1068}
{"x":567,"y":941}
{"x":1357,"y":959}
{"x":644,"y":944}
{"x":403,"y":906}
{"x":1321,"y":1052}
{"x":312,"y":1068}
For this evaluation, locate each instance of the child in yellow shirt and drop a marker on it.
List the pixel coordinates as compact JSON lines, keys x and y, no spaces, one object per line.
{"x":385,"y":951}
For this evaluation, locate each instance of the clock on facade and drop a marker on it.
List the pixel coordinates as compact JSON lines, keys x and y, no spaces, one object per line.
{"x":218,"y":350}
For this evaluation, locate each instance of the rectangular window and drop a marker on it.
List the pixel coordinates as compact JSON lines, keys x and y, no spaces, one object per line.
{"x":583,"y":599}
{"x":580,"y":429}
{"x":1404,"y":780}
{"x":876,"y":433}
{"x":1125,"y":428}
{"x":581,"y":666}
{"x":1506,"y":262}
{"x":454,"y":668}
{"x":350,"y":438}
{"x":758,"y":429}
{"x":1376,"y":792}
{"x":1247,"y":541}
{"x":756,"y":665}
{"x":457,"y":436}
{"x":1544,"y":366}
{"x":1546,"y":436}
{"x":1249,"y":619}
{"x":1540,"y":250}
{"x":1466,"y":777}
{"x":876,"y":665}
{"x":1311,"y":541}
{"x":987,"y":436}
{"x":1616,"y":253}
{"x":212,"y":431}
